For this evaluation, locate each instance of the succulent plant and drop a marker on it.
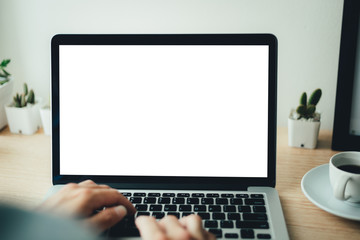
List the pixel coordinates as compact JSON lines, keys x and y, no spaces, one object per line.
{"x":307,"y":109}
{"x":3,"y":73}
{"x":21,"y":100}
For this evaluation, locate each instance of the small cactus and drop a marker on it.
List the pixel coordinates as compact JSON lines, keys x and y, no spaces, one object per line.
{"x":307,"y":109}
{"x":21,"y":100}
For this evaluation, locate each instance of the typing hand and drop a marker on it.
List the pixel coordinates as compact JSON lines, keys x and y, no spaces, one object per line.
{"x":83,"y":199}
{"x":169,"y":228}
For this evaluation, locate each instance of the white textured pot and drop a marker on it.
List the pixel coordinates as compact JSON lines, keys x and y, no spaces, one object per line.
{"x":303,"y":133}
{"x":5,"y":95}
{"x":24,"y":120}
{"x":45,"y":114}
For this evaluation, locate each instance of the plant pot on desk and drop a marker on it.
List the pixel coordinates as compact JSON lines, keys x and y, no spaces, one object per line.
{"x":303,"y":133}
{"x":25,"y":120}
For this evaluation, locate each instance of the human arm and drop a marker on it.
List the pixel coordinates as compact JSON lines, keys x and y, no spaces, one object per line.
{"x":82,"y":200}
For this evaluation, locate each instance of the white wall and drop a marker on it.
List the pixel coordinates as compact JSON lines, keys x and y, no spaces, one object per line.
{"x":308,"y":32}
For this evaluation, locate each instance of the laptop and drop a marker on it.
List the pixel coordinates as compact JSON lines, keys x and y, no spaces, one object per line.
{"x":179,"y":123}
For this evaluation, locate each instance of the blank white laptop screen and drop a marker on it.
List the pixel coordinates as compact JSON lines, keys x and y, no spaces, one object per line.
{"x":164,"y":110}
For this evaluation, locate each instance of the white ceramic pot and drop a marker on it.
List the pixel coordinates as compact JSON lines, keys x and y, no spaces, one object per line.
{"x":303,"y":133}
{"x":5,"y":95}
{"x":45,"y":115}
{"x":24,"y":120}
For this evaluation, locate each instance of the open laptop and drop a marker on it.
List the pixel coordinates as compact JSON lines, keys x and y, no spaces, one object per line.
{"x":179,"y":123}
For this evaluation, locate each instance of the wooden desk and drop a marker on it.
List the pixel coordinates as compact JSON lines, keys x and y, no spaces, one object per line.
{"x":25,"y":177}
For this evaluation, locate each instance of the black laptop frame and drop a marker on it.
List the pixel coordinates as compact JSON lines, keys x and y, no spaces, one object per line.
{"x":148,"y":182}
{"x":342,"y":139}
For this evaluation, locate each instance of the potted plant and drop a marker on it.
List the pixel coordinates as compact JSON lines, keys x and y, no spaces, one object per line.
{"x":23,"y":113}
{"x":6,"y":88}
{"x":304,"y":122}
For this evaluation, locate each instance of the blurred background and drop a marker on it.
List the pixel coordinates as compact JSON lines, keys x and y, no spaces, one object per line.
{"x":308,"y":33}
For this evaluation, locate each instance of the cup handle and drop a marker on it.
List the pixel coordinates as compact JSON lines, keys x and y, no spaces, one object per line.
{"x":340,"y":186}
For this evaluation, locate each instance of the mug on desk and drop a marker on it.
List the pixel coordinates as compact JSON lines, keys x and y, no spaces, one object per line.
{"x":344,"y":170}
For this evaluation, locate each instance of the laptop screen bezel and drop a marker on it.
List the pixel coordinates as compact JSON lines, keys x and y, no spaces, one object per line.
{"x":167,"y":182}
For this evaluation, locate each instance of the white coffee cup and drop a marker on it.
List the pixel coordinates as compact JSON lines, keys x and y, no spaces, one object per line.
{"x":344,"y":176}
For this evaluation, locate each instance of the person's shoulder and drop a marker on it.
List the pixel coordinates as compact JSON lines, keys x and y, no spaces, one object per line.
{"x":18,"y":224}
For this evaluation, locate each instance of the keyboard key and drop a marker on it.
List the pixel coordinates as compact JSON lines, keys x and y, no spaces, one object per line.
{"x":252,"y":224}
{"x":192,"y":201}
{"x":143,"y":214}
{"x":222,"y":201}
{"x":218,"y":216}
{"x":164,"y":200}
{"x":158,"y":215}
{"x":216,"y":232}
{"x":199,"y":208}
{"x":257,"y":195}
{"x":234,"y":216}
{"x":212,"y":195}
{"x":227,"y":195}
{"x":136,"y":199}
{"x":207,"y":201}
{"x":242,"y":195}
{"x":247,"y":233}
{"x":211,"y":224}
{"x":126,"y":194}
{"x":149,"y":200}
{"x":169,"y":208}
{"x":229,"y":209}
{"x":263,"y":236}
{"x":172,"y":208}
{"x":155,"y":208}
{"x":141,"y":207}
{"x":176,"y":214}
{"x":198,"y":195}
{"x":178,"y":200}
{"x":183,"y":195}
{"x":139,"y":194}
{"x":236,"y":201}
{"x":259,"y":209}
{"x":214,"y":208}
{"x":226,"y":224}
{"x":254,"y":201}
{"x":255,"y":216}
{"x":154,"y":195}
{"x":185,"y":208}
{"x":168,"y":195}
{"x":244,"y":209}
{"x":232,"y":235}
{"x":184,"y":214}
{"x":204,"y":216}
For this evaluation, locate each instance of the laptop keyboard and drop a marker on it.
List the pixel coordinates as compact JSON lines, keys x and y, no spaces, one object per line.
{"x":226,"y":215}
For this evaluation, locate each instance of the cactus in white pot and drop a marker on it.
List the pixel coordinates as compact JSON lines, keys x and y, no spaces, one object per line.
{"x":304,"y":123}
{"x":23,"y":113}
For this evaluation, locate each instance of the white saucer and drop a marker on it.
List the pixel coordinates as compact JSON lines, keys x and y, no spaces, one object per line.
{"x":316,"y":186}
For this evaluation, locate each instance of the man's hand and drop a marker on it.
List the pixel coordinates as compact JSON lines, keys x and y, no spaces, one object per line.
{"x":83,"y":199}
{"x":170,"y":228}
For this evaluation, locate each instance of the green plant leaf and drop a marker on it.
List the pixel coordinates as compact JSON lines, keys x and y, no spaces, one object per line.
{"x":5,"y":62}
{"x":25,"y":89}
{"x":310,"y":110}
{"x":4,"y":81}
{"x":6,"y":73}
{"x":303,"y":99}
{"x":315,"y":97}
{"x":301,"y":110}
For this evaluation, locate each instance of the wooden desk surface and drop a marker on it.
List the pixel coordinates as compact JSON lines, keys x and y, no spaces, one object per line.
{"x":25,"y":177}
